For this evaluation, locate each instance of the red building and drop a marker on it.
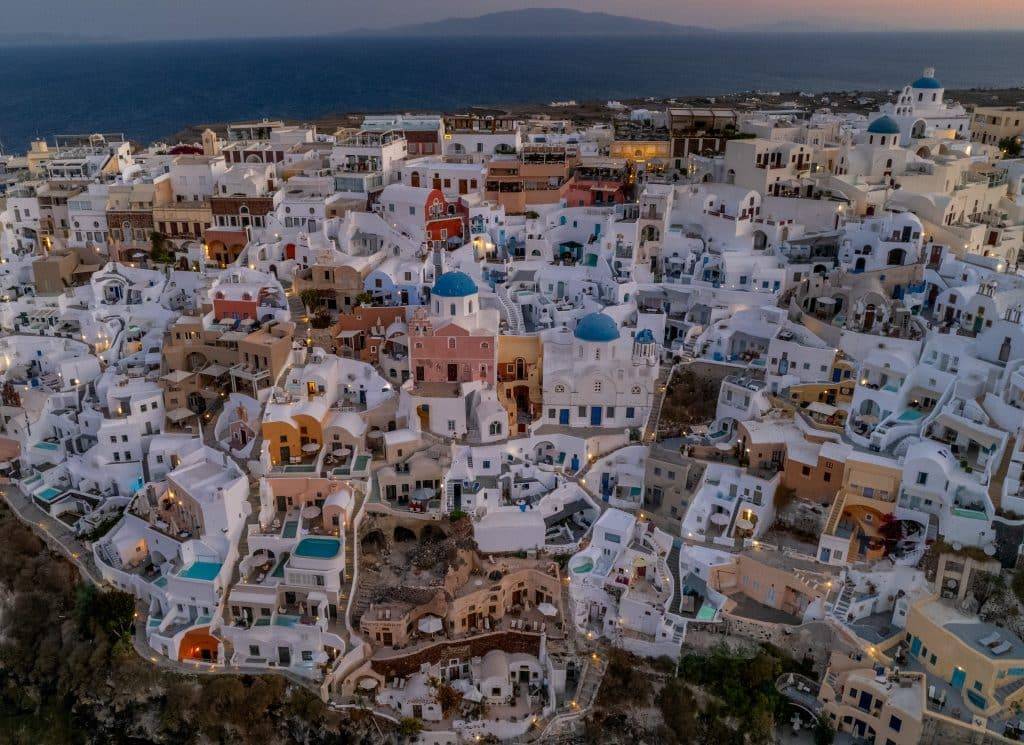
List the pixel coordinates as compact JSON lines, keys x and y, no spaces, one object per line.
{"x":444,"y":221}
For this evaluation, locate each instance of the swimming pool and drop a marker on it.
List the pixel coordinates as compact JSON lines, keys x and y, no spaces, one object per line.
{"x":318,"y":548}
{"x":291,"y":529}
{"x":48,"y":494}
{"x":204,"y":570}
{"x":584,"y":566}
{"x":706,"y":613}
{"x":910,"y":415}
{"x":47,"y":445}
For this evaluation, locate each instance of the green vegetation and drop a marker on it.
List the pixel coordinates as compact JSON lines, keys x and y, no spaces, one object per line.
{"x":824,"y":732}
{"x":102,"y":529}
{"x":162,"y":250}
{"x":311,"y":299}
{"x":1017,"y":584}
{"x":1011,"y":146}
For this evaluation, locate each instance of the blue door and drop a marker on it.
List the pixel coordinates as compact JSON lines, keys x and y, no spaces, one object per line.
{"x":958,"y":678}
{"x":595,"y":416}
{"x":836,"y":372}
{"x":915,"y":646}
{"x":563,"y":416}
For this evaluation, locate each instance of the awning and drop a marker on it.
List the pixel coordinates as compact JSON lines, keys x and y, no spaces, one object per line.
{"x":233,"y":336}
{"x":818,"y":407}
{"x":429,"y":624}
{"x":177,"y":376}
{"x":214,"y":370}
{"x":349,"y":333}
{"x":87,"y":268}
{"x":180,"y":414}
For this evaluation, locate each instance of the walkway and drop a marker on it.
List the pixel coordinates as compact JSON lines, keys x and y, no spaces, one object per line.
{"x":57,"y":535}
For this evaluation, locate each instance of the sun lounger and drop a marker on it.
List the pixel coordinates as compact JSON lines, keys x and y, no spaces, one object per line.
{"x":988,"y":641}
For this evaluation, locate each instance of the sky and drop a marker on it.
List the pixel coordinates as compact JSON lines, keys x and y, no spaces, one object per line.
{"x":149,"y":19}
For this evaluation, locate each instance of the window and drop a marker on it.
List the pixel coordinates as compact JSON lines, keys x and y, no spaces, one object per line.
{"x":307,"y":655}
{"x":922,"y":478}
{"x":630,"y":412}
{"x":597,"y":386}
{"x":805,"y":471}
{"x":254,"y":650}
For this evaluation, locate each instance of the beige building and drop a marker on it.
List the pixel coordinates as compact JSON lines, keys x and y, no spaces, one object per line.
{"x":978,"y":664}
{"x":990,"y":124}
{"x":882,"y":708}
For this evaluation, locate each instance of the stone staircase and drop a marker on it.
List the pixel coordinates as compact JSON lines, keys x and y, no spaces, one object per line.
{"x":513,"y":313}
{"x":842,"y":605}
{"x":673,"y":566}
{"x":653,"y":419}
{"x":995,"y":483}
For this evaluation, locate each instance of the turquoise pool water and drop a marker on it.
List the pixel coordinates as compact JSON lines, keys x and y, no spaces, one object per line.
{"x":291,"y":528}
{"x":585,"y":567}
{"x":283,"y":620}
{"x":318,"y":548}
{"x":706,"y":613}
{"x":361,"y":462}
{"x":48,"y":494}
{"x":204,"y":570}
{"x":910,"y":415}
{"x":47,"y":445}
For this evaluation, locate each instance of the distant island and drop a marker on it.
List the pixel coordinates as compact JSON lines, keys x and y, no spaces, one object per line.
{"x":541,"y":22}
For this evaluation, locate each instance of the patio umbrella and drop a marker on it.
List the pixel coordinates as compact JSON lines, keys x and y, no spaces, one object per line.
{"x":429,"y":624}
{"x":368,"y":684}
{"x":720,"y":518}
{"x":341,"y":451}
{"x":311,"y":447}
{"x":547,"y":609}
{"x":310,"y":511}
{"x":724,"y":447}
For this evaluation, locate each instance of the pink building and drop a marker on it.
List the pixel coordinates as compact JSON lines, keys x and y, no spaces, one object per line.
{"x":448,"y":343}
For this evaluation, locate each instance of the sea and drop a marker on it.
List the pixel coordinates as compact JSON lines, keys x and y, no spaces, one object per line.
{"x":149,"y":91}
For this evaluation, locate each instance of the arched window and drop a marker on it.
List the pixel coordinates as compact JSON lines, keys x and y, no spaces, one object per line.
{"x":495,"y":428}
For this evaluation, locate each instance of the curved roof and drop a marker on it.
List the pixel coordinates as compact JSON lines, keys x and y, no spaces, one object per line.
{"x":454,"y":284}
{"x":646,"y":336}
{"x":926,"y":82}
{"x":884,"y":125}
{"x":597,"y":327}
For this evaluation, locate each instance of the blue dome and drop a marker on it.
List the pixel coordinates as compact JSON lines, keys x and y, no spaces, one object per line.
{"x":884,"y":125}
{"x":597,"y":327}
{"x":927,"y":83}
{"x":454,"y":284}
{"x":645,"y":337}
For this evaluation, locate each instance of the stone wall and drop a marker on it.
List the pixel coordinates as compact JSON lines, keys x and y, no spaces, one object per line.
{"x":477,"y":646}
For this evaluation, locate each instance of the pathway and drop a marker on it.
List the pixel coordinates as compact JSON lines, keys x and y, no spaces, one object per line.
{"x":57,"y":535}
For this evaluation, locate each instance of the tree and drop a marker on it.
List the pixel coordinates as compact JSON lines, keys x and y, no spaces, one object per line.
{"x":679,"y":709}
{"x":1017,"y":584}
{"x":410,"y":727}
{"x":160,"y":250}
{"x":986,"y":586}
{"x":824,"y":733}
{"x":311,"y":299}
{"x":1011,"y":146}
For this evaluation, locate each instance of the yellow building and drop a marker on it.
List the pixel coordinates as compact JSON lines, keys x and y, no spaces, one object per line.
{"x":648,"y":155}
{"x":867,"y":497}
{"x":979,"y":662}
{"x":519,"y":379}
